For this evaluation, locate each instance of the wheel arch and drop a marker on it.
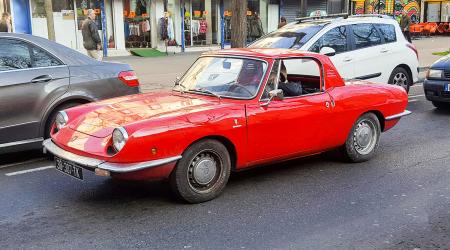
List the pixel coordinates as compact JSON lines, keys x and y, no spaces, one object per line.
{"x":229,"y":145}
{"x":380,"y":117}
{"x":56,"y":105}
{"x":406,"y":67}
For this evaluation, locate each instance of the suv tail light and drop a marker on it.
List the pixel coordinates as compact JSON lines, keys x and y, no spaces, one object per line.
{"x":411,"y":46}
{"x":129,"y":78}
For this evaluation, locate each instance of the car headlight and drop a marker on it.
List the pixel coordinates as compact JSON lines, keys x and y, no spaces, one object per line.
{"x":61,"y":119}
{"x":120,"y":138}
{"x":434,"y":73}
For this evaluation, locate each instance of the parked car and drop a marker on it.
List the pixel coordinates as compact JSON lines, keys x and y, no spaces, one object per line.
{"x":38,"y":78}
{"x":366,"y":47}
{"x":437,"y":83}
{"x":232,"y":110}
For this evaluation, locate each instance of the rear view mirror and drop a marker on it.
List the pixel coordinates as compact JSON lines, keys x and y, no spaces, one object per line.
{"x":226,"y":65}
{"x":328,"y":51}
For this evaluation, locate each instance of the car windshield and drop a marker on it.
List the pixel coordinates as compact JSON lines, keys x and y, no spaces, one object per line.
{"x":291,"y":37}
{"x":224,"y":77}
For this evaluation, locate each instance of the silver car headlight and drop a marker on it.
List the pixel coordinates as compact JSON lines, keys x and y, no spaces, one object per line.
{"x":61,"y":119}
{"x":119,"y":138}
{"x":434,"y":73}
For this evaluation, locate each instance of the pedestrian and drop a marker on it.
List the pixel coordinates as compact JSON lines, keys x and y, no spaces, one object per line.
{"x":91,"y":38}
{"x":282,"y":22}
{"x":405,"y":22}
{"x":256,"y":29}
{"x":5,"y":23}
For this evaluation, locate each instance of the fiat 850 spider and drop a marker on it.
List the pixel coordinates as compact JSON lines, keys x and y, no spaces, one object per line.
{"x":232,"y":110}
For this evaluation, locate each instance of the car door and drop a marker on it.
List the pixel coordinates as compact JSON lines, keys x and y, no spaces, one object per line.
{"x":286,"y":128}
{"x":369,"y":63}
{"x":30,"y":79}
{"x":338,"y":39}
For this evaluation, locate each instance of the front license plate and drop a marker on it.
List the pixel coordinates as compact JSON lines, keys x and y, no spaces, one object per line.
{"x":69,"y":168}
{"x":447,"y":87}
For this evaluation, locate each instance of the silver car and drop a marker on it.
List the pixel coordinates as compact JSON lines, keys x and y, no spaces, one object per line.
{"x":38,"y":78}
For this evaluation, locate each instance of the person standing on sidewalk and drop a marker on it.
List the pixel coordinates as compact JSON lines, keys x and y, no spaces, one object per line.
{"x":5,"y":23}
{"x":405,"y":22}
{"x":256,"y":29}
{"x":91,"y":39}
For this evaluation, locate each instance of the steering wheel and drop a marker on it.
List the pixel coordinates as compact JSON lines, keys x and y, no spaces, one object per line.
{"x":240,"y":86}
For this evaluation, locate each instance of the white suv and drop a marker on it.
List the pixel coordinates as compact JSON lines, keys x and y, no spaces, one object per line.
{"x":361,"y":47}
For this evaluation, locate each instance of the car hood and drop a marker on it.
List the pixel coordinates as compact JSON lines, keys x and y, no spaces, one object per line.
{"x":443,"y":63}
{"x":100,"y":119}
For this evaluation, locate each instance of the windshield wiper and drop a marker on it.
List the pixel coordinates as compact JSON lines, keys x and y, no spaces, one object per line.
{"x":203,"y":90}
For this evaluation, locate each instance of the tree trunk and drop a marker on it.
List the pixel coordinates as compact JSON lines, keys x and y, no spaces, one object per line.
{"x":50,"y":22}
{"x":238,"y":23}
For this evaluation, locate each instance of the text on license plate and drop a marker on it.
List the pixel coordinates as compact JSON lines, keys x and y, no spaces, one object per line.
{"x":69,"y":168}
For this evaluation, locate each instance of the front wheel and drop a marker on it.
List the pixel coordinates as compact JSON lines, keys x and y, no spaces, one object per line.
{"x":202,"y":173}
{"x":362,"y":142}
{"x":400,"y":77}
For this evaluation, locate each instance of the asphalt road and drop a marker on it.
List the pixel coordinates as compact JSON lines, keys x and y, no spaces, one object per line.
{"x":398,"y":200}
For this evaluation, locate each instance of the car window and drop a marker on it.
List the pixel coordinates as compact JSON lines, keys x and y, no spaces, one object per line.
{"x":335,"y":38}
{"x":14,"y":55}
{"x":43,"y":58}
{"x":271,"y":83}
{"x":299,"y":76}
{"x":292,"y":37}
{"x":388,"y":32}
{"x":365,"y":35}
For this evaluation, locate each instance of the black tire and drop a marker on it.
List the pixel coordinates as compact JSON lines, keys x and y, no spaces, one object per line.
{"x":441,"y":105}
{"x":202,"y":173}
{"x":52,"y":117}
{"x":363,"y":140}
{"x":401,"y":77}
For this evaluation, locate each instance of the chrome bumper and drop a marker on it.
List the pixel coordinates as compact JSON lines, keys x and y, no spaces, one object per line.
{"x":398,"y":116}
{"x":93,"y":164}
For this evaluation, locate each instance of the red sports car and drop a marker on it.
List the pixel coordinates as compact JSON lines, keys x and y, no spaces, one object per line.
{"x":232,"y":110}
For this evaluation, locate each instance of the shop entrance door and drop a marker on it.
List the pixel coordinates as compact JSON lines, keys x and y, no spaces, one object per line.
{"x":21,"y":16}
{"x":433,"y":12}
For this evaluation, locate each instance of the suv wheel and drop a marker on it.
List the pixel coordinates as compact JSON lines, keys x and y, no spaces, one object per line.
{"x":401,"y":77}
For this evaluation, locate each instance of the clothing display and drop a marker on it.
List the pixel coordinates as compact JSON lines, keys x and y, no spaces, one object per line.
{"x":137,"y":32}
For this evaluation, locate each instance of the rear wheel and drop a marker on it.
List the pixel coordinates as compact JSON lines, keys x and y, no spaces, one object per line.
{"x":400,"y":77}
{"x":362,"y":142}
{"x":52,"y":117}
{"x":441,"y":105}
{"x":202,"y":173}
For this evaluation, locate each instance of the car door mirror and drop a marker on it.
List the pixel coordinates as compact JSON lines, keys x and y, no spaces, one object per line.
{"x":177,"y":81}
{"x":328,"y":51}
{"x":276,"y":94}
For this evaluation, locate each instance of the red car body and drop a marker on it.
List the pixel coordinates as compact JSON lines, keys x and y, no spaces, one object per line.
{"x":162,"y":125}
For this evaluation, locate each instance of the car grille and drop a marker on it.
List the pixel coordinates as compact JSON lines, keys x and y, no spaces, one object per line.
{"x":447,"y":74}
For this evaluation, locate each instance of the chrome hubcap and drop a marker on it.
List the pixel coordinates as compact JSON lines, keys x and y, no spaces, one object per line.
{"x":400,"y":79}
{"x":365,"y":137}
{"x":204,"y":170}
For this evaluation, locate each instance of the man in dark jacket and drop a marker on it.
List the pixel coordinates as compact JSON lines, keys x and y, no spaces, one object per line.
{"x":405,"y":22}
{"x":91,"y":38}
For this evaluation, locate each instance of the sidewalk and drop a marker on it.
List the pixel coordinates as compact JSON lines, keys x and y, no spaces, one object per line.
{"x":161,"y":72}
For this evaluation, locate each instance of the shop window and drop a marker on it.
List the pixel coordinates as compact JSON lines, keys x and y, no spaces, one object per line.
{"x":365,"y":35}
{"x":14,"y":55}
{"x":137,"y":23}
{"x":43,"y":59}
{"x":335,"y":38}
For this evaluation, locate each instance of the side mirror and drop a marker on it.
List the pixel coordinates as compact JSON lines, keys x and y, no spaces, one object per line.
{"x":328,"y":51}
{"x":276,"y":94}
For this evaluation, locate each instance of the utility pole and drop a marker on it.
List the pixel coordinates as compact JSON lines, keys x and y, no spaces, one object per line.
{"x":50,"y":22}
{"x":238,"y":23}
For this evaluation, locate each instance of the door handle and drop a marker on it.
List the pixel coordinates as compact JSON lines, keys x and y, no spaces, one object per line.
{"x":347,"y":59}
{"x":43,"y":78}
{"x":384,"y":50}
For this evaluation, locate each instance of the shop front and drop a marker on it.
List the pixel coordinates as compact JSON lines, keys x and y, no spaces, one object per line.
{"x":387,"y":7}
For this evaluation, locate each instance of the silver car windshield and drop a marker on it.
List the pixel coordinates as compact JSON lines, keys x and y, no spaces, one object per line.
{"x":224,"y":77}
